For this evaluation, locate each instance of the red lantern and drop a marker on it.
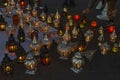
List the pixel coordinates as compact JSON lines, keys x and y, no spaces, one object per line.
{"x":93,"y":24}
{"x":111,"y":29}
{"x":22,"y":3}
{"x":76,"y":17}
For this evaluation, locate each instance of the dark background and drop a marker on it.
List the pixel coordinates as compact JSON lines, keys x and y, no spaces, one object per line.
{"x":102,"y":67}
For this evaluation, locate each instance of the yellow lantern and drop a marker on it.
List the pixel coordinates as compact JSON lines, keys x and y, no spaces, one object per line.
{"x":75,"y":32}
{"x":115,"y":48}
{"x":49,"y":20}
{"x":2,"y":26}
{"x":43,"y":16}
{"x":113,"y":36}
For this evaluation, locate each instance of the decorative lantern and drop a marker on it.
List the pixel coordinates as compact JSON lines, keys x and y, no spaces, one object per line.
{"x":10,"y":29}
{"x":21,"y":54}
{"x":65,"y":11}
{"x":49,"y":20}
{"x":12,"y":3}
{"x":56,"y":23}
{"x":101,"y":31}
{"x":93,"y":23}
{"x":34,"y":12}
{"x":34,"y":34}
{"x":27,"y":17}
{"x":21,"y":24}
{"x":88,"y":35}
{"x":34,"y":46}
{"x":37,"y":22}
{"x":5,"y":3}
{"x":45,"y":58}
{"x":66,"y":36}
{"x":77,"y":62}
{"x":115,"y":48}
{"x":75,"y":32}
{"x":60,"y":32}
{"x":82,"y":44}
{"x":64,"y":50}
{"x":16,"y":19}
{"x":84,"y":20}
{"x":6,"y":65}
{"x":43,"y":16}
{"x":76,"y":17}
{"x":28,"y":8}
{"x":2,"y":23}
{"x":19,"y":11}
{"x":111,"y":28}
{"x":21,"y":35}
{"x":45,"y":28}
{"x":105,"y":47}
{"x":57,"y":15}
{"x":22,"y":3}
{"x":100,"y":39}
{"x":11,"y":44}
{"x":30,"y":64}
{"x":46,"y":41}
{"x":71,"y":22}
{"x":113,"y":36}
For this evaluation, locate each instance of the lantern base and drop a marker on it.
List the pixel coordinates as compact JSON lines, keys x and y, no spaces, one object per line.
{"x":31,"y":72}
{"x":63,"y":58}
{"x":76,"y":70}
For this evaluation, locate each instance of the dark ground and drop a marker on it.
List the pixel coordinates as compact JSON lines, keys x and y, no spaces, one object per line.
{"x":102,"y":67}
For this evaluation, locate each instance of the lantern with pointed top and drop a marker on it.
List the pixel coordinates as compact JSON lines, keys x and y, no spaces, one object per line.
{"x":34,"y":12}
{"x":100,"y":39}
{"x":28,"y":8}
{"x":77,"y":62}
{"x":20,"y":53}
{"x":88,"y":35}
{"x":7,"y":65}
{"x":11,"y":44}
{"x":22,"y":24}
{"x":101,"y":30}
{"x":49,"y":19}
{"x":21,"y":35}
{"x":2,"y":23}
{"x":45,"y":57}
{"x":66,"y":35}
{"x":115,"y":48}
{"x":65,"y":10}
{"x":57,"y":15}
{"x":113,"y":36}
{"x":43,"y":16}
{"x":12,"y":3}
{"x":75,"y":32}
{"x":105,"y":47}
{"x":34,"y":46}
{"x":71,"y":22}
{"x":56,"y":23}
{"x":34,"y":34}
{"x":30,"y":64}
{"x":27,"y":17}
{"x":46,"y":41}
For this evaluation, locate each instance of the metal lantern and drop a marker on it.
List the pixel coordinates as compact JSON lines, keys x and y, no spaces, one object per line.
{"x":28,"y":8}
{"x":56,"y":22}
{"x":46,"y":41}
{"x":75,"y":32}
{"x":66,"y":36}
{"x":101,"y":30}
{"x":100,"y":39}
{"x":6,"y":65}
{"x":27,"y":17}
{"x":34,"y":12}
{"x":49,"y":19}
{"x":34,"y":33}
{"x":20,"y":53}
{"x":2,"y":23}
{"x":11,"y":44}
{"x":19,"y":11}
{"x":34,"y":46}
{"x":37,"y":22}
{"x":45,"y":57}
{"x":88,"y":35}
{"x":64,"y":50}
{"x":30,"y":64}
{"x":113,"y":36}
{"x":105,"y":47}
{"x":77,"y":62}
{"x":45,"y":28}
{"x":71,"y":22}
{"x":82,"y":25}
{"x":21,"y":35}
{"x":57,"y":15}
{"x":115,"y":48}
{"x":43,"y":16}
{"x":22,"y":23}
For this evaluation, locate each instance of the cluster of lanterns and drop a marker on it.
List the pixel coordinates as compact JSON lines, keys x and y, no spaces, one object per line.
{"x":40,"y":50}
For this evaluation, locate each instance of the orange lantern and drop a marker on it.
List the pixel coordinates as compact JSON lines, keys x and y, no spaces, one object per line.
{"x":93,"y":23}
{"x":22,"y":3}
